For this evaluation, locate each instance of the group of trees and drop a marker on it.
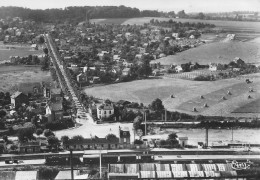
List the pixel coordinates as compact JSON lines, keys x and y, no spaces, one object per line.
{"x":180,"y":26}
{"x":75,"y":13}
{"x":170,"y":142}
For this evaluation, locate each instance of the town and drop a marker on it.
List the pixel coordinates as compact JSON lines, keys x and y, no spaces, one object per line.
{"x":81,"y":99}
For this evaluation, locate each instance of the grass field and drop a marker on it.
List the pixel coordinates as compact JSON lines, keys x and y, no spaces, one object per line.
{"x":215,"y":97}
{"x":218,"y":52}
{"x":226,"y":25}
{"x":144,"y":91}
{"x":6,"y":53}
{"x":187,"y":94}
{"x":253,"y":107}
{"x":13,"y":75}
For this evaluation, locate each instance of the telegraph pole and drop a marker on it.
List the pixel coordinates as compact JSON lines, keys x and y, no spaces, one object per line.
{"x":207,"y":136}
{"x":145,"y":122}
{"x":165,"y":115}
{"x":100,"y":165}
{"x":232,"y":133}
{"x":71,"y":165}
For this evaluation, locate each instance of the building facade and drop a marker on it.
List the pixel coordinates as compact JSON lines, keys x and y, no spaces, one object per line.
{"x":105,"y":110}
{"x":18,"y":98}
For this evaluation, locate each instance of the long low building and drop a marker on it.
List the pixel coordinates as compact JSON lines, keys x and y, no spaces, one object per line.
{"x":188,"y":171}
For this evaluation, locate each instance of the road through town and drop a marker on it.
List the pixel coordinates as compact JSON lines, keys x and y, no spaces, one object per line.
{"x":88,"y":128}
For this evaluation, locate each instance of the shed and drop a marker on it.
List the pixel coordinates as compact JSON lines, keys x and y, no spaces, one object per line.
{"x":116,"y":168}
{"x":131,"y":168}
{"x":147,"y":174}
{"x":147,"y":167}
{"x":178,"y":167}
{"x":163,"y":167}
{"x":122,"y":176}
{"x":193,"y":167}
{"x":180,"y":174}
{"x":209,"y":167}
{"x":211,"y":174}
{"x":228,"y":173}
{"x":164,"y":174}
{"x":183,"y":141}
{"x":196,"y":174}
{"x":224,"y":167}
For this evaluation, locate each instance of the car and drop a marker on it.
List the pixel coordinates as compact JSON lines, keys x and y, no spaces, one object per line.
{"x":8,"y":161}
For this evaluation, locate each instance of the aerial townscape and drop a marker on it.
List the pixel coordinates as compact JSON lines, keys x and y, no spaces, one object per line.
{"x":118,"y":91}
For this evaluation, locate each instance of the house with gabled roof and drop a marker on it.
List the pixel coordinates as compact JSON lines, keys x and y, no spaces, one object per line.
{"x":18,"y":98}
{"x":105,"y":110}
{"x":54,"y":111}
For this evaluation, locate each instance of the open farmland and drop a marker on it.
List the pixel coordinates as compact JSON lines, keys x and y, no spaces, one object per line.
{"x":218,"y":52}
{"x":6,"y":53}
{"x":10,"y":76}
{"x":187,"y":94}
{"x":253,"y":107}
{"x":237,"y":26}
{"x":142,"y":91}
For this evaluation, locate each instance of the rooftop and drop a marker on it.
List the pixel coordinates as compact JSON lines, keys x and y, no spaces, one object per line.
{"x":106,"y":107}
{"x":56,"y":106}
{"x":16,"y":94}
{"x":92,"y":141}
{"x":56,"y":91}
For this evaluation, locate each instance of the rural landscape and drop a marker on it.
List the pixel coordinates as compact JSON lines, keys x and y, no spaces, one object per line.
{"x":114,"y":91}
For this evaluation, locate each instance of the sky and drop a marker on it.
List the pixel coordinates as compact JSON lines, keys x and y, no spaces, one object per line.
{"x":161,"y":5}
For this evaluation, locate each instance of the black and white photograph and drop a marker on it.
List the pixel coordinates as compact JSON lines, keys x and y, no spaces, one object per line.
{"x":129,"y":89}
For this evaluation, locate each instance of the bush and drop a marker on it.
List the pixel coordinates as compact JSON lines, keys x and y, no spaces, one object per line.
{"x":138,"y":142}
{"x":203,"y":78}
{"x":48,"y":132}
{"x":48,"y":173}
{"x":59,"y":125}
{"x":39,"y":131}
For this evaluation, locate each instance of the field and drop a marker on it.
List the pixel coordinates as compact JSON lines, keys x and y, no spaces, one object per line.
{"x":144,"y":91}
{"x":13,"y":75}
{"x":186,"y":94}
{"x":226,"y":25}
{"x":253,"y":107}
{"x":217,"y":52}
{"x":6,"y":51}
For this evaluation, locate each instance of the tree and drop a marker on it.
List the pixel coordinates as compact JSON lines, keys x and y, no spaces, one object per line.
{"x":2,"y":113}
{"x":172,"y":136}
{"x":137,"y":122}
{"x":64,"y":139}
{"x":78,"y":138}
{"x":138,"y":142}
{"x":162,"y":143}
{"x":157,"y":105}
{"x":39,"y":131}
{"x":182,"y":14}
{"x":48,"y":133}
{"x":172,"y":14}
{"x":172,"y":140}
{"x":128,"y":115}
{"x":41,"y":40}
{"x":201,"y":15}
{"x":25,"y":134}
{"x":53,"y":141}
{"x":111,"y":137}
{"x":45,"y":50}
